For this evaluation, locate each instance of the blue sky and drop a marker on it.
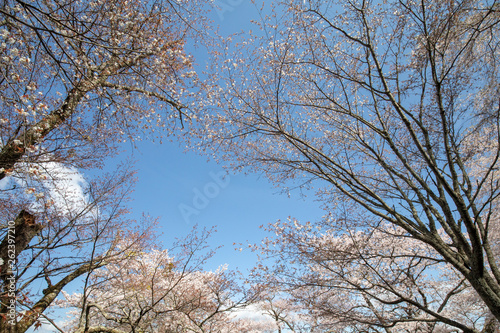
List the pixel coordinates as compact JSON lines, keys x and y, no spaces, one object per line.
{"x":180,"y":188}
{"x":172,"y":181}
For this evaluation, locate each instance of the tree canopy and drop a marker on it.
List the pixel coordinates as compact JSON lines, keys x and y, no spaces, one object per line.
{"x":389,"y":108}
{"x":76,"y":79}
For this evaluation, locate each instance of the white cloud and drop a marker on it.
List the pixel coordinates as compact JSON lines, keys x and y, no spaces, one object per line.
{"x":252,"y":312}
{"x":63,"y":186}
{"x":66,"y":187}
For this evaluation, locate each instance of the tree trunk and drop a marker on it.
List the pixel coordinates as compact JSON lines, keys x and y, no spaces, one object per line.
{"x":19,"y":234}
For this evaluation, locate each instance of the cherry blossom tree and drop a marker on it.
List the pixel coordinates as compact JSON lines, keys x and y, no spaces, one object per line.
{"x":64,"y":237}
{"x":390,"y":106}
{"x":155,"y":291}
{"x":78,"y":77}
{"x":371,"y":280}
